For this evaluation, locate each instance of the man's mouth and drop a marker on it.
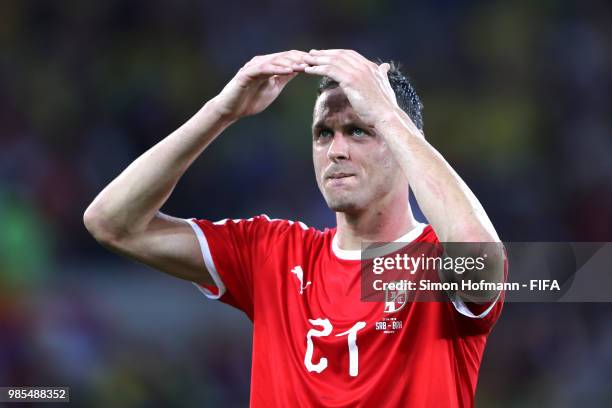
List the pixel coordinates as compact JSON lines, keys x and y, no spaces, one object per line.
{"x":339,"y":175}
{"x":340,"y":180}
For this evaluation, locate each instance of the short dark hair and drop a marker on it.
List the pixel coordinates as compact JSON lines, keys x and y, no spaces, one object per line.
{"x":406,"y":96}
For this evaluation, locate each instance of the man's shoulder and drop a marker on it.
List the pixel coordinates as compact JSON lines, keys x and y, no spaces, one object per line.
{"x":279,"y":227}
{"x":289,"y":238}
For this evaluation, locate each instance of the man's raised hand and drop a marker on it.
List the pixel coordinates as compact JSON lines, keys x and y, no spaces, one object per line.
{"x":258,"y":83}
{"x":364,"y":82}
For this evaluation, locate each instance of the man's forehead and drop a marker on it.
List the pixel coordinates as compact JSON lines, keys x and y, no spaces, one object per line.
{"x":330,"y":102}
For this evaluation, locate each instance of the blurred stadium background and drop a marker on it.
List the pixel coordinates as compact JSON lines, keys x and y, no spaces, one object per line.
{"x":517,"y":98}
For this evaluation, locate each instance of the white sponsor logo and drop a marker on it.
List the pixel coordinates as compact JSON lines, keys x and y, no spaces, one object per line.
{"x":299,"y":273}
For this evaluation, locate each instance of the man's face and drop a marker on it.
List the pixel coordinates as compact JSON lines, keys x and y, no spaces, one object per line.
{"x":353,"y":165}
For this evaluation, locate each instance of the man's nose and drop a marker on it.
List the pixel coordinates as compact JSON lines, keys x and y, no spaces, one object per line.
{"x":339,"y":148}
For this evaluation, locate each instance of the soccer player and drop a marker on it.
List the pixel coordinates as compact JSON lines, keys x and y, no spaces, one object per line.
{"x":315,"y":342}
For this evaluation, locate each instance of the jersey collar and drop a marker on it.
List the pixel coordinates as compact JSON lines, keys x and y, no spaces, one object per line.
{"x":355,"y":254}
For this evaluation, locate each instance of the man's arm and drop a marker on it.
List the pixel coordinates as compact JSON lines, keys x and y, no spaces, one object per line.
{"x":125,"y":216}
{"x":453,"y":210}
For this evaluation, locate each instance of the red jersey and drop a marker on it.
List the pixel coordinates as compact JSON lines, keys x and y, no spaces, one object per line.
{"x":316,"y":343}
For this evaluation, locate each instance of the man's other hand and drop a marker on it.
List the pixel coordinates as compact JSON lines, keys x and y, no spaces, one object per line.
{"x":258,"y":83}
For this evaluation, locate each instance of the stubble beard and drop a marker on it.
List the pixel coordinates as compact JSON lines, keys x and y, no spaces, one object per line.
{"x":346,"y":202}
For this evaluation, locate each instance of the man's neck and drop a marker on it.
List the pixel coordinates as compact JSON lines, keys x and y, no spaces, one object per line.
{"x":384,"y":223}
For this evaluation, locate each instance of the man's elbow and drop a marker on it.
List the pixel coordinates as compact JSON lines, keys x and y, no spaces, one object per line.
{"x":475,"y":232}
{"x":98,"y":226}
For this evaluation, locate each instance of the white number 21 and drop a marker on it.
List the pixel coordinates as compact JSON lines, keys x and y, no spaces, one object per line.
{"x":326,"y":331}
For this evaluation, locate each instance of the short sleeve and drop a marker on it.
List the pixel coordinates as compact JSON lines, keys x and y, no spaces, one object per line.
{"x":481,"y":316}
{"x":232,"y":250}
{"x":477,"y":318}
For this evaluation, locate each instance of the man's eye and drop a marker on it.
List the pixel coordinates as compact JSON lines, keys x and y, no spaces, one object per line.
{"x":359,"y":132}
{"x":325,"y":133}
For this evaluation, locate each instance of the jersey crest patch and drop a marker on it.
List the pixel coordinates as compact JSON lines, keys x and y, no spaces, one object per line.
{"x":395,"y":300}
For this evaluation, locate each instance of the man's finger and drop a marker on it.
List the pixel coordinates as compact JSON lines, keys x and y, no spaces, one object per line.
{"x":332,"y":71}
{"x":282,"y":80}
{"x":351,"y":54}
{"x":267,"y":69}
{"x":286,"y":62}
{"x":294,"y":55}
{"x":318,"y":60}
{"x":334,"y":51}
{"x":340,"y":60}
{"x":322,"y":70}
{"x":384,"y":67}
{"x":384,"y":81}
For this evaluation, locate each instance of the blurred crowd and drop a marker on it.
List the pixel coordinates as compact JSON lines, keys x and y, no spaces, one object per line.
{"x":516,"y":97}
